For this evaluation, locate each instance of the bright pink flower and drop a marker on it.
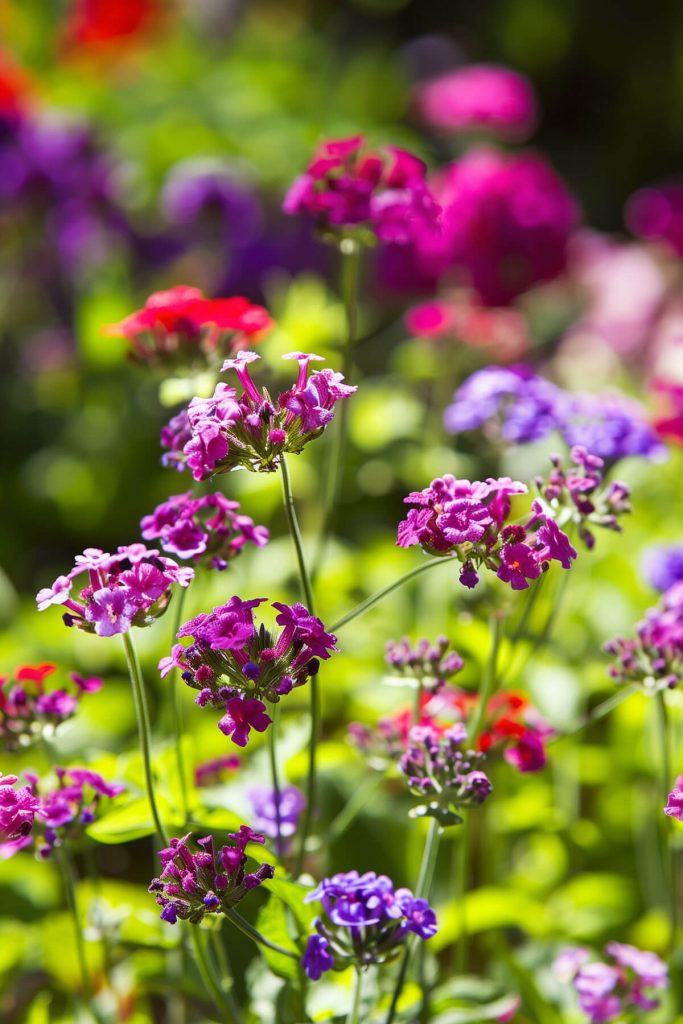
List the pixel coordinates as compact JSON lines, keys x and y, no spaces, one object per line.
{"x":480,"y":97}
{"x":241,"y":716}
{"x":656,"y":213}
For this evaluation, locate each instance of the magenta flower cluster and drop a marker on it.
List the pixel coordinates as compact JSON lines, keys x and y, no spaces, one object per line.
{"x":431,"y":664}
{"x":445,"y":777}
{"x":674,"y":802}
{"x":346,"y":189}
{"x":197,"y":880}
{"x":236,"y":666}
{"x":469,"y":521}
{"x":654,"y":657}
{"x":28,"y":710}
{"x":18,"y":809}
{"x":366,"y":922}
{"x":217,"y":434}
{"x":479,"y":98}
{"x":129,"y":588}
{"x":608,"y":991}
{"x":210,"y":530}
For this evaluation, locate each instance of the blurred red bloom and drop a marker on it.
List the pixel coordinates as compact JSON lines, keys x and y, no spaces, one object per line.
{"x":15,"y":88}
{"x":96,"y":22}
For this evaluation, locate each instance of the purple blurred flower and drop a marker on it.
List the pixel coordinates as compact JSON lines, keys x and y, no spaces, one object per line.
{"x":479,"y":97}
{"x":654,"y":657}
{"x":607,"y":991}
{"x":662,"y":566}
{"x":656,"y":213}
{"x":277,"y":819}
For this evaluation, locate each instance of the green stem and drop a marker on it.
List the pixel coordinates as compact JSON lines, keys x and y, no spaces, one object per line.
{"x":275,"y":778}
{"x":358,"y":800}
{"x":256,"y":936}
{"x":379,"y":595}
{"x":209,"y":979}
{"x":670,"y":865}
{"x":224,"y":970}
{"x":461,"y":870}
{"x":424,"y":882}
{"x":295,"y":533}
{"x":144,"y":731}
{"x":175,"y":709}
{"x":67,"y":870}
{"x":488,"y":683}
{"x":354,"y":1015}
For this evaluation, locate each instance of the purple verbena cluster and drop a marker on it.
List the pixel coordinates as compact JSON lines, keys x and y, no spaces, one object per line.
{"x":444,"y":776}
{"x":235,"y":665}
{"x":366,"y":922}
{"x":209,"y":530}
{"x":432,"y":664}
{"x":129,"y":588}
{"x":197,"y":880}
{"x":28,"y":710}
{"x":277,"y":814}
{"x":470,"y":522}
{"x":217,"y":434}
{"x":608,"y":991}
{"x":654,"y":657}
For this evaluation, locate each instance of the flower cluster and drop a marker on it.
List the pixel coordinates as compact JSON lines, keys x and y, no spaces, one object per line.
{"x":181,"y":327}
{"x":469,"y":521}
{"x":129,"y":588}
{"x":366,"y":922}
{"x":50,"y":818}
{"x":277,"y":814}
{"x":431,"y":664}
{"x":608,"y":991}
{"x":674,"y":803}
{"x":480,"y":98}
{"x":443,"y":775}
{"x":28,"y":709}
{"x":197,"y":880}
{"x":235,"y":665}
{"x":580,"y":493}
{"x":346,"y":190}
{"x":209,"y":773}
{"x":516,"y":406}
{"x":654,"y":657}
{"x":210,"y":530}
{"x":217,"y":434}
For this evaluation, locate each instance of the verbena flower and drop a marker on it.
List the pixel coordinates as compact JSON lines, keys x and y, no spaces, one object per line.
{"x":366,"y":921}
{"x":197,"y":880}
{"x":662,"y":566}
{"x":236,"y":665}
{"x":432,"y":665}
{"x":469,"y":521}
{"x":18,"y":810}
{"x":479,"y":98}
{"x":674,"y":803}
{"x":367,"y":194}
{"x":655,"y":212}
{"x":209,"y":773}
{"x":28,"y":710}
{"x":129,"y":588}
{"x":654,"y":657}
{"x":217,"y":434}
{"x":608,"y":991}
{"x":277,"y":819}
{"x":446,"y":778}
{"x":210,"y":530}
{"x":181,"y":327}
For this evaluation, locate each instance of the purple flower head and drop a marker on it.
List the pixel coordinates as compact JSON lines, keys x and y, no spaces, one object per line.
{"x":606,"y":991}
{"x":446,"y":778}
{"x":479,"y":98}
{"x":652,"y":658}
{"x":433,"y":665}
{"x":29,"y":711}
{"x":277,"y":819}
{"x":662,"y":566}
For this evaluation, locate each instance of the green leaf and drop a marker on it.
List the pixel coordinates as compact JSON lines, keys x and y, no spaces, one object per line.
{"x":292,"y":894}
{"x":125,"y":823}
{"x":272,"y":921}
{"x":487,"y":908}
{"x":475,"y":1014}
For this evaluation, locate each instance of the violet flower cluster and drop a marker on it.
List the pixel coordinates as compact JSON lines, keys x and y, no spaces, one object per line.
{"x":654,"y":657}
{"x":28,"y":710}
{"x":277,"y":815}
{"x":517,"y":406}
{"x":663,"y":566}
{"x":217,"y":434}
{"x":674,"y":802}
{"x":209,"y":530}
{"x":608,"y":991}
{"x":470,"y":522}
{"x":431,"y":664}
{"x":366,"y":921}
{"x":365,"y":194}
{"x":197,"y":879}
{"x":236,"y":666}
{"x":445,"y":777}
{"x":581,"y":494}
{"x":129,"y":588}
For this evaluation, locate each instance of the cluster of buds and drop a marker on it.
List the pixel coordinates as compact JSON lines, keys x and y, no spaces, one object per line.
{"x":129,"y":588}
{"x":28,"y":710}
{"x":277,"y":813}
{"x":51,"y":817}
{"x":444,"y":776}
{"x":469,"y":521}
{"x":610,"y":991}
{"x":236,"y":666}
{"x":217,"y":434}
{"x":581,"y":495}
{"x":181,"y":328}
{"x":366,"y":922}
{"x":431,"y":664}
{"x":197,"y":880}
{"x":364,"y":195}
{"x":210,"y":530}
{"x":654,"y":657}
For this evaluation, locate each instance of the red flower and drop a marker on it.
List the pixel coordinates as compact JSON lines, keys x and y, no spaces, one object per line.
{"x":97,"y":22}
{"x":34,"y":673}
{"x":15,"y":88}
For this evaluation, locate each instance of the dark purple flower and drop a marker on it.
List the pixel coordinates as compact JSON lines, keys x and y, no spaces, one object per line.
{"x":317,"y":958}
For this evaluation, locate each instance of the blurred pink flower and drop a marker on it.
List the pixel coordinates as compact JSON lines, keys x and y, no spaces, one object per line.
{"x":480,"y":97}
{"x":657,"y":213}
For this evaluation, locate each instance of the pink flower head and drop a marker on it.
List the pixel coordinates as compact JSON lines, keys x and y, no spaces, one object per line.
{"x":656,"y":213}
{"x":480,"y":97}
{"x":241,"y":716}
{"x":674,"y":803}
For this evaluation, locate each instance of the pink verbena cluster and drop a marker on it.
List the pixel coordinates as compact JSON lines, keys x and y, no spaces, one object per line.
{"x":480,"y":97}
{"x":469,"y":521}
{"x":210,"y":530}
{"x":347,"y":189}
{"x":236,"y":665}
{"x":28,"y":709}
{"x":217,"y":434}
{"x":129,"y":588}
{"x":609,"y":991}
{"x":654,"y":657}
